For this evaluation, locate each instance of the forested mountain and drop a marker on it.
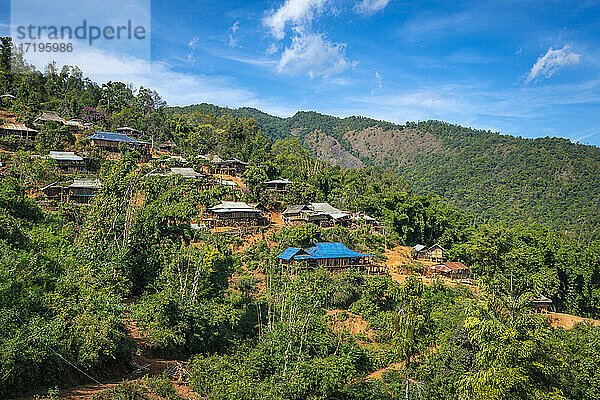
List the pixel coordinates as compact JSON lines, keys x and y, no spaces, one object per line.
{"x":489,"y":175}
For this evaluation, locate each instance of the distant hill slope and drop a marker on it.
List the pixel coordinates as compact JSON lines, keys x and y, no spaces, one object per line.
{"x":489,"y":175}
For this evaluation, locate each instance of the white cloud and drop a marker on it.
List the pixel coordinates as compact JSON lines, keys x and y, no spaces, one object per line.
{"x":232,"y":40}
{"x":192,"y":46}
{"x":552,"y":61}
{"x":192,"y":43}
{"x":272,"y":49}
{"x":248,"y":60}
{"x":368,"y":7}
{"x":586,"y":135}
{"x":297,"y":12}
{"x":311,"y":53}
{"x":379,"y":80}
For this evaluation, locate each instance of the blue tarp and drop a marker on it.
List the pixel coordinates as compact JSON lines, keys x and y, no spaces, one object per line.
{"x":112,"y":136}
{"x":322,"y":250}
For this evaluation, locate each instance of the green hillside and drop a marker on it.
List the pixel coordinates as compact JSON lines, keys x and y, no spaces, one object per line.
{"x":143,"y":284}
{"x":489,"y":175}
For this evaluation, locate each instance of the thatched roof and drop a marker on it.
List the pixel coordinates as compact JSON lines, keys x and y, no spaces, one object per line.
{"x":50,"y":116}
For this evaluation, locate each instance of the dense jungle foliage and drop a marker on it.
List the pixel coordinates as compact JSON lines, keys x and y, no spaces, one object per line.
{"x":71,"y":278}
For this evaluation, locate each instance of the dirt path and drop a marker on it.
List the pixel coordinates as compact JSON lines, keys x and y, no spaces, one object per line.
{"x":143,"y":363}
{"x":379,"y":373}
{"x":356,"y":325}
{"x":276,"y":219}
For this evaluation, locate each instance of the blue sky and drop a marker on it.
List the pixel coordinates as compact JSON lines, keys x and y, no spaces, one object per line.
{"x":527,"y":68}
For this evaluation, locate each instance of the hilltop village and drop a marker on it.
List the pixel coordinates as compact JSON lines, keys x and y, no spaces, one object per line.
{"x":149,"y":252}
{"x":79,"y":183}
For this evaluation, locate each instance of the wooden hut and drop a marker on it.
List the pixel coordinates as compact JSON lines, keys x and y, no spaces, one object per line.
{"x":53,"y":191}
{"x":420,"y":252}
{"x":167,"y":146}
{"x":332,"y":256}
{"x":437,"y":253}
{"x":278,"y":186}
{"x":317,"y":213}
{"x":294,"y":213}
{"x":134,"y":133}
{"x":18,"y":130}
{"x":333,"y":215}
{"x":541,"y":303}
{"x":452,"y":270}
{"x":67,"y":161}
{"x":83,"y":190}
{"x":229,"y":167}
{"x":111,"y":141}
{"x":236,"y":213}
{"x":50,"y":116}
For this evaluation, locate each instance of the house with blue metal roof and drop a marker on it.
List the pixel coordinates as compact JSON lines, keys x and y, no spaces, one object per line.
{"x":332,"y":256}
{"x":111,"y":141}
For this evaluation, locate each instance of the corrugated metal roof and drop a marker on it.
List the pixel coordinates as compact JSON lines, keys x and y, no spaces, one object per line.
{"x":333,"y":250}
{"x":64,"y":156}
{"x":219,"y":160}
{"x":112,"y":136}
{"x":419,"y":247}
{"x":48,"y":186}
{"x":86,"y":183}
{"x":231,"y":206}
{"x":169,"y":158}
{"x":185,"y":172}
{"x":541,"y":299}
{"x":438,"y":246}
{"x":75,"y":123}
{"x":450,"y":266}
{"x":279,"y":180}
{"x":325,"y":208}
{"x":13,"y":126}
{"x":323,"y":250}
{"x":127,"y":129}
{"x":236,"y":161}
{"x":294,"y":209}
{"x":288,"y":253}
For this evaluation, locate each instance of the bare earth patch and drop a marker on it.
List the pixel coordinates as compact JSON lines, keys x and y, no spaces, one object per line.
{"x":558,"y":320}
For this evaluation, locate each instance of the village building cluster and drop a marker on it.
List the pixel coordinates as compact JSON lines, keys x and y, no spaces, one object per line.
{"x":80,"y":191}
{"x":208,"y":170}
{"x":324,"y":214}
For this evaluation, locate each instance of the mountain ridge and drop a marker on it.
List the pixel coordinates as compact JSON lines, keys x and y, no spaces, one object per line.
{"x":490,"y":175}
